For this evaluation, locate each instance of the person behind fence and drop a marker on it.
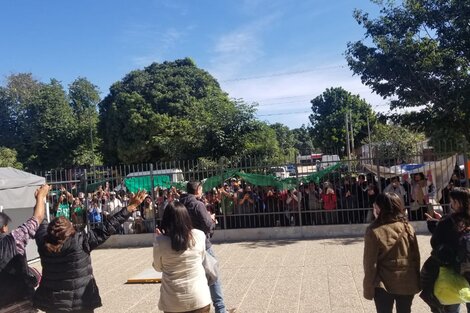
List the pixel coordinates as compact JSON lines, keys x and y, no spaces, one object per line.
{"x":67,"y":283}
{"x":149,"y":214}
{"x":178,"y":252}
{"x":202,"y":220}
{"x":419,"y":197}
{"x":17,"y":280}
{"x":396,"y":188}
{"x":329,"y":204}
{"x":445,"y":242}
{"x":391,"y":257}
{"x":62,"y":207}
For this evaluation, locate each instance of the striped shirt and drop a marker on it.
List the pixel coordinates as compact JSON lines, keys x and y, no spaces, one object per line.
{"x":23,"y":233}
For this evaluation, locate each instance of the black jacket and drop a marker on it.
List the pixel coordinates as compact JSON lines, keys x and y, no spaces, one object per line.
{"x":16,"y":283}
{"x":200,"y":217}
{"x":67,"y":283}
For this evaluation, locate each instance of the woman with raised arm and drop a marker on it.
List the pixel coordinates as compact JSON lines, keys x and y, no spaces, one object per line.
{"x":68,"y":284}
{"x":178,"y":252}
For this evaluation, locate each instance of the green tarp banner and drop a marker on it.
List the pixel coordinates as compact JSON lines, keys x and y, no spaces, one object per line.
{"x":268,"y":180}
{"x":317,"y":176}
{"x":133,"y":184}
{"x":143,"y":182}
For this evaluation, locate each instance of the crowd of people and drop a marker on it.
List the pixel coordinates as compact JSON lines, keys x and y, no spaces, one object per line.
{"x":67,"y":284}
{"x":238,"y":204}
{"x":392,"y":274}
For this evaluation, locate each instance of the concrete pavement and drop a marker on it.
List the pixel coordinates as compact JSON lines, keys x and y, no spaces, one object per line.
{"x":288,"y":276}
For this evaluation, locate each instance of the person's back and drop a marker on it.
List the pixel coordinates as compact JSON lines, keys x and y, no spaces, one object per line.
{"x":178,"y":252}
{"x":67,"y":275}
{"x":184,"y":283}
{"x":17,"y":280}
{"x":391,"y":257}
{"x":68,"y":284}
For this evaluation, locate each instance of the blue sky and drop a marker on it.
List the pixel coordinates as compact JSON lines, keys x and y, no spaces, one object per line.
{"x":278,"y":53}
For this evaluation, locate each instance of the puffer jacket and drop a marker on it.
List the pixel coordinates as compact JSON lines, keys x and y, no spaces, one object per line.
{"x":391,"y":259}
{"x":68,"y":284}
{"x":16,"y":283}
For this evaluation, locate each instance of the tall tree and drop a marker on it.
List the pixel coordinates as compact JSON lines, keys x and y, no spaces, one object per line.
{"x":261,"y":143}
{"x":172,"y":110}
{"x":303,"y":140}
{"x":417,"y":53}
{"x":47,"y":129}
{"x":84,"y":98}
{"x":286,"y":139}
{"x":8,"y":158}
{"x":329,"y":119}
{"x":394,"y":144}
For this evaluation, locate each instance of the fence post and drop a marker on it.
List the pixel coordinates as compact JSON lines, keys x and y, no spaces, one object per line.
{"x":465,"y":164}
{"x":224,"y":209}
{"x":299,"y":195}
{"x":153,"y":197}
{"x":86,"y":199}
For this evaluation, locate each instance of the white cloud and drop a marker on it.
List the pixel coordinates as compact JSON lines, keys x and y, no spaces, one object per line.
{"x":154,"y":43}
{"x":284,"y":94}
{"x":240,"y":48}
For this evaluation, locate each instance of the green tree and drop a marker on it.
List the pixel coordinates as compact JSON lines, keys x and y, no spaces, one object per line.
{"x":47,"y":129}
{"x":328,"y":119}
{"x":303,"y":140}
{"x":261,"y":143}
{"x":84,"y":98}
{"x":286,"y":140}
{"x":417,"y":53}
{"x":8,"y":158}
{"x":172,"y":110}
{"x":393,"y":143}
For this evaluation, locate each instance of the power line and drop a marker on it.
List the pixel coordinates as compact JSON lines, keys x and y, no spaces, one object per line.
{"x":283,"y":113}
{"x":282,"y":74}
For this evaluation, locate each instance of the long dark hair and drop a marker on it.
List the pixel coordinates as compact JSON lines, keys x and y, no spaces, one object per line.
{"x":392,"y":210}
{"x":58,"y":231}
{"x":462,"y":218}
{"x":176,"y":224}
{"x":391,"y":207}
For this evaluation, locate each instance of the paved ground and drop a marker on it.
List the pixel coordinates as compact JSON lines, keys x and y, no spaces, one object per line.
{"x":282,"y":276}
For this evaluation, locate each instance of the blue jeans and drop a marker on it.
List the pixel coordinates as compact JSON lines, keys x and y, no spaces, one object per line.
{"x":216,"y":291}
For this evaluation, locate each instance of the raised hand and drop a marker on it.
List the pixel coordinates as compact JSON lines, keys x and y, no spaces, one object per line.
{"x":136,"y":200}
{"x":42,"y":192}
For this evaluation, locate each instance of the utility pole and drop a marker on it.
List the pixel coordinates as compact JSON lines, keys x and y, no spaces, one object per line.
{"x":348,"y":148}
{"x":370,"y":142}
{"x":352,"y":130}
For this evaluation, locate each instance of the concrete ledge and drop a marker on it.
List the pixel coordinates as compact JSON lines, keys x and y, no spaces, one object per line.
{"x":256,"y":234}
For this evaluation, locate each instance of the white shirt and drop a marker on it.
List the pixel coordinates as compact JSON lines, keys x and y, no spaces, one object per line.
{"x":184,"y":283}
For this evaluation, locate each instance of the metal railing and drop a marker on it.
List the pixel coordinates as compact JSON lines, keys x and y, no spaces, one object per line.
{"x":343,"y":196}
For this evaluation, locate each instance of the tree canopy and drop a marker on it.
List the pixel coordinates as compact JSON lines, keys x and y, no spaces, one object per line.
{"x":395,"y":144}
{"x":40,"y":122}
{"x":8,"y":158}
{"x":172,"y":110}
{"x":329,"y":115}
{"x":417,"y":54}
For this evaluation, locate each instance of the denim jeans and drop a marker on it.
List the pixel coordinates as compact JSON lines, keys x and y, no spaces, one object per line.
{"x":216,"y":291}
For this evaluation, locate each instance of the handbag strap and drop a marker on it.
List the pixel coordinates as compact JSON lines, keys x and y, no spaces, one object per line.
{"x":395,"y":246}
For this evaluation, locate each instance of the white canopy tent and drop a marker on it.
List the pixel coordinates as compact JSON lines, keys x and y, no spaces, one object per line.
{"x":17,"y":199}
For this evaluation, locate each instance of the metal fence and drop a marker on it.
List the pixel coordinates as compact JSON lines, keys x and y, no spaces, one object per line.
{"x":314,"y":197}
